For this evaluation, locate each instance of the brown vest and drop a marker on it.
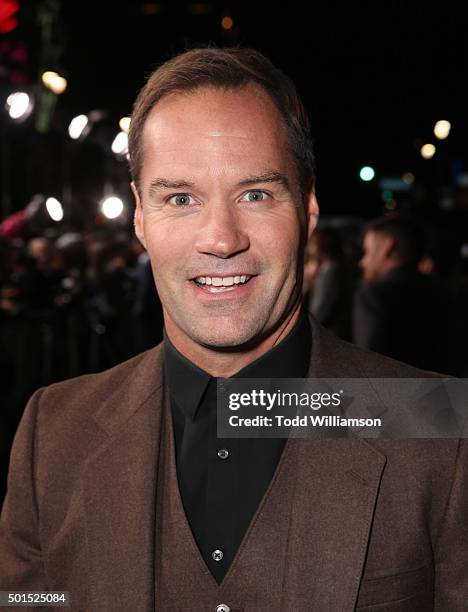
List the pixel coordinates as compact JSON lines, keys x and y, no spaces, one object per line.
{"x":255,"y":578}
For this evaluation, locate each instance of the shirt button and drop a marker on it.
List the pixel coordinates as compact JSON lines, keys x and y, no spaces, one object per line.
{"x":217,"y":554}
{"x":223,"y":453}
{"x":223,"y":608}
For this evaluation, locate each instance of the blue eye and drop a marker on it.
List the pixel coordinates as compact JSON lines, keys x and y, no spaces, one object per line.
{"x":181,"y":199}
{"x":256,"y":195}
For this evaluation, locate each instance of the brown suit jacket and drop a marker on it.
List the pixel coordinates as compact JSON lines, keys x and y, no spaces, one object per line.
{"x":385,"y":522}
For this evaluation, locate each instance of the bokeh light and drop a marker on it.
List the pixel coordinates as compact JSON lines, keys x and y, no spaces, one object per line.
{"x":112,"y":207}
{"x":77,"y":126}
{"x":428,"y":151}
{"x":442,"y":129}
{"x":366,"y":173}
{"x":120,"y":144}
{"x":19,"y":105}
{"x":54,"y":208}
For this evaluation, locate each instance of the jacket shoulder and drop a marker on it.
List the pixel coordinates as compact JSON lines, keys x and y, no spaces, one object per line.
{"x":76,"y":398}
{"x":339,"y":358}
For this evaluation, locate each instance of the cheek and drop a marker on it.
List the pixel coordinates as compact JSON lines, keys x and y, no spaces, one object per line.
{"x":281,"y":258}
{"x":163,"y":242}
{"x":163,"y":254}
{"x":281,"y":241}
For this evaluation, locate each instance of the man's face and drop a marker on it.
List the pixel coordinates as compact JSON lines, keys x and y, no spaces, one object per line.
{"x":219,"y":204}
{"x":376,"y":251}
{"x":39,"y":250}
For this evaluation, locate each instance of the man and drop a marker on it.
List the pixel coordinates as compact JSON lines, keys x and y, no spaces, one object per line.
{"x":398,"y":311}
{"x":119,"y":490}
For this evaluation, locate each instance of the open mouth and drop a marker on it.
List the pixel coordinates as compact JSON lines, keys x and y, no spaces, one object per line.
{"x":219,"y":284}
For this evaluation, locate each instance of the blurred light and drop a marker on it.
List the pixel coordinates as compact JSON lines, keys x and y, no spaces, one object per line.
{"x":124,"y":124}
{"x":59,"y":85}
{"x":112,"y":207}
{"x":387,"y":195}
{"x":97,"y":115}
{"x":120,"y":144}
{"x":442,"y":129}
{"x":77,"y":126}
{"x":54,"y":208}
{"x":150,"y":8}
{"x":366,"y":173}
{"x":227,"y":23}
{"x":19,"y":105}
{"x":427,"y":151}
{"x":391,"y":205}
{"x":8,"y":21}
{"x":53,"y":81}
{"x":408,"y":178}
{"x":393,"y":184}
{"x":48,"y":76}
{"x":446,"y":203}
{"x":462,"y":180}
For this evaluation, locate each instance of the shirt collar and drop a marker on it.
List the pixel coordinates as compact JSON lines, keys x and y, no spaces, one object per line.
{"x":288,"y":359}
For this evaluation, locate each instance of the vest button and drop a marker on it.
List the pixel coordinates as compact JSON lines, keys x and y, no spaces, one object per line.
{"x":217,"y":555}
{"x":223,"y":608}
{"x":223,"y":453}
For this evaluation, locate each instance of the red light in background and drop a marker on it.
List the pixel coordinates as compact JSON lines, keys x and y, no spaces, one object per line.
{"x":8,"y":21}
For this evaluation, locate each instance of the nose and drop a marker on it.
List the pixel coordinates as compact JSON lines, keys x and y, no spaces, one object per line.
{"x":220,"y":233}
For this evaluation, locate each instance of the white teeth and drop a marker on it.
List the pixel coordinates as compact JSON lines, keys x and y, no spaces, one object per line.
{"x":222,"y":281}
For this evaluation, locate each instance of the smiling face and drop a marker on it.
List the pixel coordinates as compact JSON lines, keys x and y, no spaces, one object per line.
{"x":219,"y":211}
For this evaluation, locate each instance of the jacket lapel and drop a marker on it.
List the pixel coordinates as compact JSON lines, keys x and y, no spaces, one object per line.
{"x":336,"y":493}
{"x":120,"y":486}
{"x":341,"y":479}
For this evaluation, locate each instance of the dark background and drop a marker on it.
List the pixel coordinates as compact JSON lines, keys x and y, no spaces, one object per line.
{"x":374,"y":76}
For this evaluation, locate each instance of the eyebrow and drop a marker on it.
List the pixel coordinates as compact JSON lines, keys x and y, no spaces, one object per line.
{"x":267,"y":177}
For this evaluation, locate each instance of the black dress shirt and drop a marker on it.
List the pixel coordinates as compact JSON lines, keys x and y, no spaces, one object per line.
{"x":222,"y":481}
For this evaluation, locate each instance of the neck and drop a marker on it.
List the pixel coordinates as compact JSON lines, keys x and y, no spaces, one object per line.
{"x":389,"y":264}
{"x":225,"y":364}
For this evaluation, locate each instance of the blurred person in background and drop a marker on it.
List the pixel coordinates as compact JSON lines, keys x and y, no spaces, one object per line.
{"x":328,"y":283}
{"x":23,"y":301}
{"x":398,"y":311}
{"x":26,"y":222}
{"x":147,"y":307}
{"x":110,"y":300}
{"x":24,"y":298}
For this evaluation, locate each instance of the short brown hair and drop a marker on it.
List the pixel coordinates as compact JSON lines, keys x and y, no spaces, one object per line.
{"x":407,"y":234}
{"x":229,"y":68}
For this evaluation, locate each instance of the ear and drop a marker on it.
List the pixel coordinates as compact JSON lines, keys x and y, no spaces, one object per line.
{"x":138,"y":216}
{"x":388,"y":246}
{"x":311,"y":208}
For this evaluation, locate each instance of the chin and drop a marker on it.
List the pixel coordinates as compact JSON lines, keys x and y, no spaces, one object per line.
{"x":226,"y":336}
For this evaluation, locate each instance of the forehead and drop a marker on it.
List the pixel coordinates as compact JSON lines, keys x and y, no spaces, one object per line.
{"x":373,"y":240}
{"x":236,"y":128}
